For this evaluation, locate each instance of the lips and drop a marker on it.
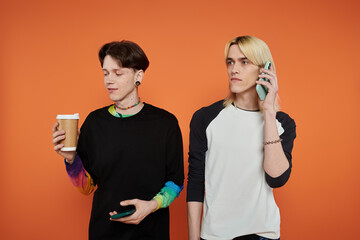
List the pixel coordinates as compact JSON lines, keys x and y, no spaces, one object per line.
{"x":235,"y":79}
{"x":110,"y":90}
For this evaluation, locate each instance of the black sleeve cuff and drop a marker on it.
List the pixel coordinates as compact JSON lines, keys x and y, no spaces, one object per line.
{"x":278,"y":181}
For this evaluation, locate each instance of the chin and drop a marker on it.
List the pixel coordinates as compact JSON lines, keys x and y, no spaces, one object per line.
{"x":114,"y":99}
{"x":235,"y":89}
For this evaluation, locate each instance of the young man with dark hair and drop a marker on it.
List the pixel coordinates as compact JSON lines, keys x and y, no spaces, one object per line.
{"x":131,"y":151}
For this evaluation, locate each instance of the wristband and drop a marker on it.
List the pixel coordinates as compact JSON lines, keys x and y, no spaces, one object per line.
{"x":272,"y":142}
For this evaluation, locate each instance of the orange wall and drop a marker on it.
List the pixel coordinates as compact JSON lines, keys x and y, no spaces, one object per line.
{"x":48,"y":65}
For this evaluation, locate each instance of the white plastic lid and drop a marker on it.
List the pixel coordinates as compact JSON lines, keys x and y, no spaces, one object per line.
{"x":68,"y":116}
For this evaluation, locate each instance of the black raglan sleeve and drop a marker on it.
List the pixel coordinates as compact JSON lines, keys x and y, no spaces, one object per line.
{"x":197,"y":150}
{"x":288,"y":137}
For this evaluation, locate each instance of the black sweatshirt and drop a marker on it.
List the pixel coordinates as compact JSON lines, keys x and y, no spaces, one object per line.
{"x":130,"y":158}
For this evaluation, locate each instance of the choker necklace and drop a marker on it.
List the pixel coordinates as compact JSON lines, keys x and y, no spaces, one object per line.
{"x":236,"y":107}
{"x":116,"y":106}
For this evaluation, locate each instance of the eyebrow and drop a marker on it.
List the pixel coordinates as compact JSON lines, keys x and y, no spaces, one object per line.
{"x":114,"y":69}
{"x":244,"y":58}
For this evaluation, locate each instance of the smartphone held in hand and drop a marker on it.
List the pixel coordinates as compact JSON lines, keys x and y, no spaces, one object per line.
{"x":263,"y":90}
{"x":124,"y":211}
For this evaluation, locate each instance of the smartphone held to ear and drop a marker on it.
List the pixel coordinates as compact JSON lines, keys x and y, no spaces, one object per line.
{"x":124,"y":211}
{"x":263,"y":90}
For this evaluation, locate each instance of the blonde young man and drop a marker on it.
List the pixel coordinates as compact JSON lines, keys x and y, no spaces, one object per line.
{"x":240,"y":149}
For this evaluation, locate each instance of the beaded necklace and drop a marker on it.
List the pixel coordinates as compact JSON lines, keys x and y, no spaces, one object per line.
{"x":128,"y":107}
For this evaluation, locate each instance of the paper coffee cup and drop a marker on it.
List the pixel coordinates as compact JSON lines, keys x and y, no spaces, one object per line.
{"x":69,"y":123}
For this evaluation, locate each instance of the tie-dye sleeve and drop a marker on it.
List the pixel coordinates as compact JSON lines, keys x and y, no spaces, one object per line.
{"x":79,"y":177}
{"x":167,"y":194}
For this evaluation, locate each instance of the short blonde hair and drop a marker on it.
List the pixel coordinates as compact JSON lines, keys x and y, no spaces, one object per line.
{"x":257,"y":52}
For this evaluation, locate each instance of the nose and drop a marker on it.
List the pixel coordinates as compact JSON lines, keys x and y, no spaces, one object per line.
{"x":236,"y":69}
{"x":109,"y":79}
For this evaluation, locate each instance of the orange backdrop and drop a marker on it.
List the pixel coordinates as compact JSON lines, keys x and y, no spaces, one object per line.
{"x":48,"y":65}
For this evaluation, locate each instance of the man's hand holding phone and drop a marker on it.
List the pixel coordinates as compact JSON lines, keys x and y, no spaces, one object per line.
{"x":267,"y":87}
{"x":129,"y":216}
{"x":262,"y":90}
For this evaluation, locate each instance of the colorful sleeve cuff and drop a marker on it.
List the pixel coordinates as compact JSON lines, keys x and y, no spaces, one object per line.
{"x":79,"y":177}
{"x":167,"y":194}
{"x":74,"y":169}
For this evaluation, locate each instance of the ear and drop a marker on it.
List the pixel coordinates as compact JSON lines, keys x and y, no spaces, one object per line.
{"x":139,"y":74}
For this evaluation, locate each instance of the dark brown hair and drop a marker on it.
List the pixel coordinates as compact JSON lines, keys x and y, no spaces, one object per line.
{"x":127,"y":53}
